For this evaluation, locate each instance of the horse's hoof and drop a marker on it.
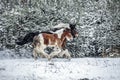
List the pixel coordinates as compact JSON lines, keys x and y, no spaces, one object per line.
{"x":69,"y":59}
{"x":35,"y":58}
{"x":49,"y":59}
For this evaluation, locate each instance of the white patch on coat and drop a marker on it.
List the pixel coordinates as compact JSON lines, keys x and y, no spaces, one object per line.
{"x":59,"y":32}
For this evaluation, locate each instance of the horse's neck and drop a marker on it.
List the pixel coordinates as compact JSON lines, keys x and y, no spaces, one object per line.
{"x":59,"y":33}
{"x":63,"y":37}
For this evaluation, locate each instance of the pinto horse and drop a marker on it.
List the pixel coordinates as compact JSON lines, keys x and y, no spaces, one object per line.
{"x":55,"y":38}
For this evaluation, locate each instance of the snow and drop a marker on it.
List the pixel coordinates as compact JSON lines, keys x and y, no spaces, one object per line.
{"x":60,"y":69}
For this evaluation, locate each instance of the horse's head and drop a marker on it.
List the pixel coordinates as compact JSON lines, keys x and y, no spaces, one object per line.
{"x":73,"y":30}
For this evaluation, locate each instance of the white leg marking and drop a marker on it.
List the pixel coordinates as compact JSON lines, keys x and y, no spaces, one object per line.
{"x":34,"y":54}
{"x":55,"y":53}
{"x":66,"y":53}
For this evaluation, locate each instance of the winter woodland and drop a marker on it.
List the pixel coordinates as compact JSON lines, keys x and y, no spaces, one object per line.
{"x":97,"y":21}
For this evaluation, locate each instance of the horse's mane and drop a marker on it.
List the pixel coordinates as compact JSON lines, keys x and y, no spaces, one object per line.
{"x":52,"y":31}
{"x":57,"y":28}
{"x":48,"y":32}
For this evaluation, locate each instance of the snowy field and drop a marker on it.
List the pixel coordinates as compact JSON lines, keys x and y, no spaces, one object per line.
{"x":60,"y":69}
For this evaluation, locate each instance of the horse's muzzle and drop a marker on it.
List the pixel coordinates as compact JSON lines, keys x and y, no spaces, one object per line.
{"x":76,"y":35}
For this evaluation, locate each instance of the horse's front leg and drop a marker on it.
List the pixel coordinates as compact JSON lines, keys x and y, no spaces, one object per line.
{"x":55,"y":53}
{"x":66,"y":53}
{"x":44,"y":53}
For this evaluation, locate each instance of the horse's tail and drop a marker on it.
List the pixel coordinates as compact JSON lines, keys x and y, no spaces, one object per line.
{"x":28,"y":38}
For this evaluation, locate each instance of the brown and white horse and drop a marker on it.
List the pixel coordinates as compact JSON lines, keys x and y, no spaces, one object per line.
{"x":55,"y":38}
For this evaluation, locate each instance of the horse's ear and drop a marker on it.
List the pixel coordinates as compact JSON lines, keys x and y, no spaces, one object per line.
{"x":72,"y":26}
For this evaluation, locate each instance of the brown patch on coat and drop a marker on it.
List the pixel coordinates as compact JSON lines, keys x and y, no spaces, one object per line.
{"x":66,"y":33}
{"x":49,"y":38}
{"x":52,"y":39}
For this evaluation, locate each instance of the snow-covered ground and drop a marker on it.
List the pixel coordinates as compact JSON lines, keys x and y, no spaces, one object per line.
{"x":60,"y":69}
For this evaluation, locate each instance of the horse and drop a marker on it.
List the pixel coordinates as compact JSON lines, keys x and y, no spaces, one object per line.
{"x":54,"y":40}
{"x":53,"y":36}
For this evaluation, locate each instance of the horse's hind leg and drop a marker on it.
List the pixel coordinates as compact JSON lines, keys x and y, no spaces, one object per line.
{"x":35,"y":54}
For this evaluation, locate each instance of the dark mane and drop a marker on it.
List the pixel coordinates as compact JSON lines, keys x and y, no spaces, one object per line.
{"x":48,"y":32}
{"x":55,"y":29}
{"x":51,"y":31}
{"x":72,"y":26}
